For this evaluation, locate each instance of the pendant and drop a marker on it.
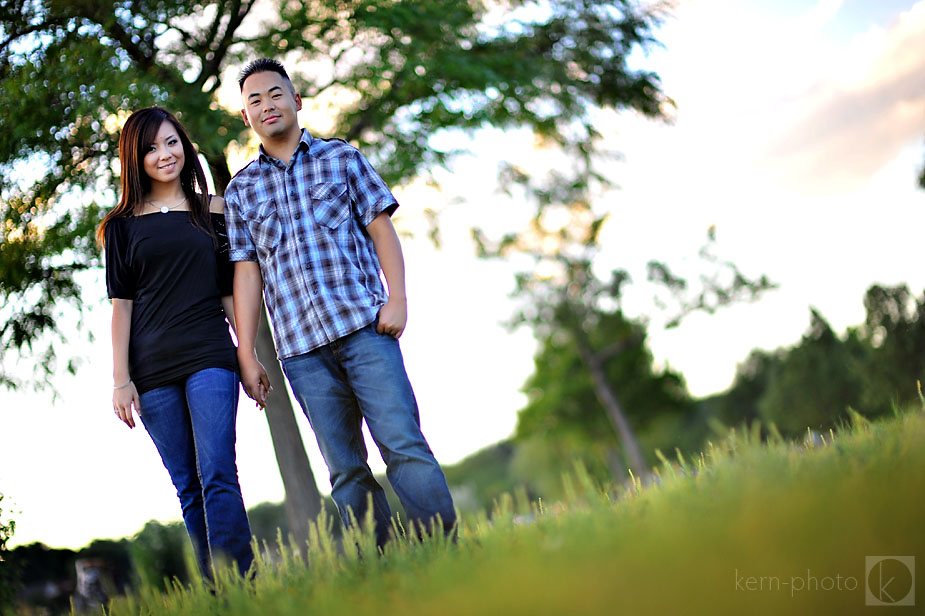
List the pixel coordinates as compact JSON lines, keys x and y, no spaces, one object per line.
{"x":164,"y":209}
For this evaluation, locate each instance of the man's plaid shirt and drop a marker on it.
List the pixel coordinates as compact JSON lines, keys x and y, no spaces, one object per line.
{"x":305,"y":224}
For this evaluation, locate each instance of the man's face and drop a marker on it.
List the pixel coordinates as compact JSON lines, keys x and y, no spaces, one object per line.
{"x":270,"y":107}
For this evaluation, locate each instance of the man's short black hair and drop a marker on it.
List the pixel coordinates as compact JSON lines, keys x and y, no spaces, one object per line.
{"x":262,"y":65}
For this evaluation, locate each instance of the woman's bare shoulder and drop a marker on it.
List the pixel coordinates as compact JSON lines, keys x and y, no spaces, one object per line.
{"x":217,"y":205}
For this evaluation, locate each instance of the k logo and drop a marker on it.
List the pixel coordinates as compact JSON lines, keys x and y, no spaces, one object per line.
{"x":890,"y":580}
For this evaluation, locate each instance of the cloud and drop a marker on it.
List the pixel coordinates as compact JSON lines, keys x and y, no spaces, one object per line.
{"x":870,"y":107}
{"x":821,"y":14}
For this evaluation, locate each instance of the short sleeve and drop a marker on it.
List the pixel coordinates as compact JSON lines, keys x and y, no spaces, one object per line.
{"x":240,"y":245}
{"x":369,"y":194}
{"x":120,"y":283}
{"x":225,"y":271}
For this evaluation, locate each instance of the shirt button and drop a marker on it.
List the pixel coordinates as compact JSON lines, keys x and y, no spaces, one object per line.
{"x":298,"y":215}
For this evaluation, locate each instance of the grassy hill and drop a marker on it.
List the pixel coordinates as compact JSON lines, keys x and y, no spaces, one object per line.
{"x":748,"y":527}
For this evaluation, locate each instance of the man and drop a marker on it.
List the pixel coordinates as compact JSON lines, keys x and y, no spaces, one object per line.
{"x":309,"y":225}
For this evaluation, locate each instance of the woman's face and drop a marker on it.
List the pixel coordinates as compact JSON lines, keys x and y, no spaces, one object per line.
{"x":164,"y":158}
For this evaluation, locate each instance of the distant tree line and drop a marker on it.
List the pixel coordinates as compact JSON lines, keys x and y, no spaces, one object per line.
{"x":7,"y":577}
{"x":45,"y":579}
{"x":36,"y":578}
{"x":873,"y":369}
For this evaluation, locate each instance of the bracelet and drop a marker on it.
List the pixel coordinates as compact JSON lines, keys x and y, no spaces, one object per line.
{"x":123,"y":385}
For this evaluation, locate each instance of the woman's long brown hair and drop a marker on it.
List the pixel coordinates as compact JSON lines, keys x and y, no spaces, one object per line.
{"x":138,"y":134}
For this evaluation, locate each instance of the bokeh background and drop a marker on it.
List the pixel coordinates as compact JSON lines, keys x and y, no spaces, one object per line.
{"x":785,"y":135}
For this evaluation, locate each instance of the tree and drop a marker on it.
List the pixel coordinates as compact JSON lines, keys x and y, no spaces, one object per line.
{"x":586,"y":342}
{"x":406,"y":69}
{"x":894,"y":333}
{"x":564,"y":301}
{"x":46,"y":576}
{"x":565,"y":397}
{"x":872,"y":368}
{"x":922,"y":177}
{"x":815,"y":381}
{"x":159,"y":554}
{"x":739,"y":404}
{"x":70,"y":70}
{"x":8,"y":577}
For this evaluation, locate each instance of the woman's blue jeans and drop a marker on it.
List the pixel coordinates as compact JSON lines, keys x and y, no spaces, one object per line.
{"x":362,"y":376}
{"x":192,"y":425}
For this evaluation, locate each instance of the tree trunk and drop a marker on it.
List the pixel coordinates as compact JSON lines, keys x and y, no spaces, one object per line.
{"x":221,"y":174}
{"x":608,"y":399}
{"x":303,"y":501}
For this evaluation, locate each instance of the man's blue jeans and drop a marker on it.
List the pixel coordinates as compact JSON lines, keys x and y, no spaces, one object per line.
{"x":193,"y":427}
{"x":362,"y":376}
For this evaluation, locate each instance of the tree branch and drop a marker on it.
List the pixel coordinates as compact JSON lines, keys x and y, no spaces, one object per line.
{"x":188,"y":39}
{"x":118,"y":34}
{"x":209,"y":38}
{"x":611,"y":403}
{"x":364,"y":119}
{"x":362,"y":122}
{"x":617,"y":348}
{"x":238,"y":11}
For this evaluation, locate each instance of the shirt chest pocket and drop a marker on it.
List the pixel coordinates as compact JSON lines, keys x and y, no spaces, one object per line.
{"x":330,"y":203}
{"x":263,"y":224}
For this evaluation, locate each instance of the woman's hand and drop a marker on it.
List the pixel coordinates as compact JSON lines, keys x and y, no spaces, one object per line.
{"x":123,"y":398}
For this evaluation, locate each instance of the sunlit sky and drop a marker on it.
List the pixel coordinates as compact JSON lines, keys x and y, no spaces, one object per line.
{"x":798,"y":133}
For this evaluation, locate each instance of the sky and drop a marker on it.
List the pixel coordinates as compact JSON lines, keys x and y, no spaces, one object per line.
{"x":798,"y":132}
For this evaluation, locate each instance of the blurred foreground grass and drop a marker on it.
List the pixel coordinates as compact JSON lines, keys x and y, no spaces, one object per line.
{"x":750,"y":527}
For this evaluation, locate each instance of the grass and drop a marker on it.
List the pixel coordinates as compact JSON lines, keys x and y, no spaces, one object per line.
{"x":748,"y":527}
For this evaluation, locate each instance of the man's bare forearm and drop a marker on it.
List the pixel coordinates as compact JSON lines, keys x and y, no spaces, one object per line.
{"x":388,"y":249}
{"x":248,"y":289}
{"x":393,"y":316}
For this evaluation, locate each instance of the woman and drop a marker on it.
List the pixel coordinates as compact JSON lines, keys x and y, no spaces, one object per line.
{"x":169,"y":279}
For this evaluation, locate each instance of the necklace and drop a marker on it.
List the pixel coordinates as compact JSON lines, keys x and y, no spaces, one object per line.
{"x":164,"y":209}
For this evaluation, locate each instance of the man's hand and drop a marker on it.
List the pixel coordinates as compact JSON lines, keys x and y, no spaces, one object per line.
{"x":393,"y":317}
{"x":254,"y":379}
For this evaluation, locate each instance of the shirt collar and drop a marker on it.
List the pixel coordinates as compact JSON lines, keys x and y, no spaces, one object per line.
{"x":305,"y":142}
